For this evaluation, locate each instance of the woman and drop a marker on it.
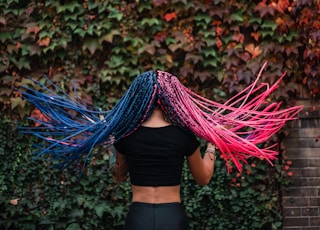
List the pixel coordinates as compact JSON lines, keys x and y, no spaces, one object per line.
{"x":154,"y":154}
{"x":153,"y":127}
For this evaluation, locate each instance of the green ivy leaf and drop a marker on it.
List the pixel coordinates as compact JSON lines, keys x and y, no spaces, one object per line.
{"x":92,"y":44}
{"x":5,"y":36}
{"x":70,"y":6}
{"x":23,"y":62}
{"x":268,"y":24}
{"x":265,"y":33}
{"x":203,"y":17}
{"x":80,"y":31}
{"x":71,"y":17}
{"x":115,"y":62}
{"x":73,"y":226}
{"x":93,"y":5}
{"x":150,"y":21}
{"x":210,"y":62}
{"x":73,"y":24}
{"x":252,"y":20}
{"x":209,"y":52}
{"x":170,"y":40}
{"x":144,"y":5}
{"x":115,"y":14}
{"x":135,"y":41}
{"x":109,"y":37}
{"x":17,"y":101}
{"x":237,"y":17}
{"x":99,"y":209}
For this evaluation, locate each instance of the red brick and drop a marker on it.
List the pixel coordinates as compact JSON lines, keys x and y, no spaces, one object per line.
{"x":315,"y":221}
{"x":311,"y":133}
{"x":314,"y":181}
{"x":314,"y":162}
{"x":309,"y":211}
{"x":292,"y":212}
{"x":301,"y":142}
{"x":310,"y":228}
{"x":309,"y":191}
{"x":292,"y":191}
{"x":297,"y":172}
{"x":311,"y":172}
{"x":299,"y":163}
{"x":295,"y":201}
{"x":298,"y":181}
{"x":315,"y":201}
{"x":296,"y":221}
{"x":302,"y":152}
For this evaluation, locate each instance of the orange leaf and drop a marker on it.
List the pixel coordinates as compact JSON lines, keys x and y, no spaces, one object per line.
{"x":253,"y":50}
{"x":37,"y":115}
{"x":18,"y":45}
{"x":44,"y":41}
{"x":282,"y":5}
{"x":256,"y":35}
{"x":216,"y":22}
{"x":169,"y":16}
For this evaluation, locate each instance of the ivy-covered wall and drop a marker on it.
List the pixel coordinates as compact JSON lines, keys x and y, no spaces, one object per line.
{"x":215,"y":47}
{"x":35,"y":196}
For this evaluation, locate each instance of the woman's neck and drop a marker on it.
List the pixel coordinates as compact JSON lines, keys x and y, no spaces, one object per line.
{"x":157,"y":119}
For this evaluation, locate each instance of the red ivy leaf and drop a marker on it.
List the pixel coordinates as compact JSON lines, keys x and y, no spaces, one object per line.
{"x":33,"y":29}
{"x":219,"y":31}
{"x":169,"y":16}
{"x":264,"y":9}
{"x":160,"y":36}
{"x":281,"y":6}
{"x":238,"y":37}
{"x":37,"y":115}
{"x":218,"y":42}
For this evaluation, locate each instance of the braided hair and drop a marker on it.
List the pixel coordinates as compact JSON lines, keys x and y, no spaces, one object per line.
{"x":236,"y":127}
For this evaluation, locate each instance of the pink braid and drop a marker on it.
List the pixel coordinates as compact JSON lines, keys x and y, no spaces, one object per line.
{"x":223,"y":124}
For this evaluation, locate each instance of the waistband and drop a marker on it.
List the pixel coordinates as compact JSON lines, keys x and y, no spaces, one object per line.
{"x":157,"y":205}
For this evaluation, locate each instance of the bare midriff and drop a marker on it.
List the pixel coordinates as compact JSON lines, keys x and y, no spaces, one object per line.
{"x":156,"y":195}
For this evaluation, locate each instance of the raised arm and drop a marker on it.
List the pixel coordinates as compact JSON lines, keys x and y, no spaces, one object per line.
{"x":202,"y":168}
{"x":119,"y":170}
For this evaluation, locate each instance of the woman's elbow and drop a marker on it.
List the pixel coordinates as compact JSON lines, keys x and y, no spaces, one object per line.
{"x":203,"y":181}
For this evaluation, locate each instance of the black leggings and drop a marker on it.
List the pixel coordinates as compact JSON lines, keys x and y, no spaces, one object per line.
{"x":168,"y":216}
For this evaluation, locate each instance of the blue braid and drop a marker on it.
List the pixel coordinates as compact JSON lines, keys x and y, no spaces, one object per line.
{"x":72,"y":130}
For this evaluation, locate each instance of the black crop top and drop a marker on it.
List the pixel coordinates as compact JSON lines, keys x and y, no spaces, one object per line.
{"x":155,"y":155}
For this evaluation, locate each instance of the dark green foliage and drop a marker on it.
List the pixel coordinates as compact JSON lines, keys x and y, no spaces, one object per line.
{"x":33,"y":195}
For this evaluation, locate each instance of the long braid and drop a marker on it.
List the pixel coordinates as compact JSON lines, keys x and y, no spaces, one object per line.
{"x":72,"y":131}
{"x":236,"y":130}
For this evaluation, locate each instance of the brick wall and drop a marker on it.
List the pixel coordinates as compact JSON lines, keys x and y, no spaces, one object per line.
{"x":301,"y":199}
